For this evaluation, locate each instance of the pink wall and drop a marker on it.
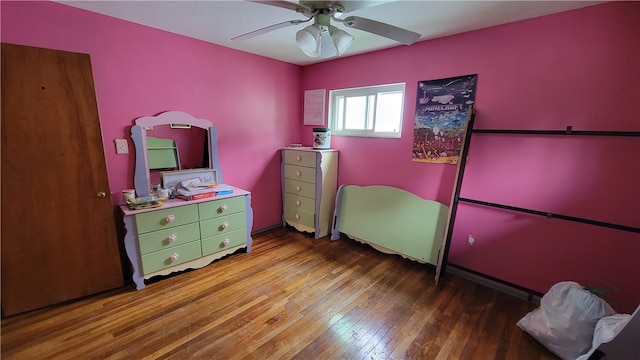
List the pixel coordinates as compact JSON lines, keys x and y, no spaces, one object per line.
{"x":579,"y":68}
{"x":140,"y":71}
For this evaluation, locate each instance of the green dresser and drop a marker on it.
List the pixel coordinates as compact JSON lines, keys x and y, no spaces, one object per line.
{"x":186,"y":234}
{"x":309,"y":184}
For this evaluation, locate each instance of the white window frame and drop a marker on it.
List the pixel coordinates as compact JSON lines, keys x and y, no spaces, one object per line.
{"x":371,"y":93}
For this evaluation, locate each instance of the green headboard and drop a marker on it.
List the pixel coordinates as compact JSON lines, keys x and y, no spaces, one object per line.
{"x":392,"y":220}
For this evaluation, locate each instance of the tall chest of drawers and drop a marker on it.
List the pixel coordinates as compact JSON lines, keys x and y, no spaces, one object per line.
{"x":309,"y":185}
{"x":184,"y":235}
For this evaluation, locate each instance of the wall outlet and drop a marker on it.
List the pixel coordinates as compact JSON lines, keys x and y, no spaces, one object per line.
{"x":471,"y":239}
{"x":121,"y":146}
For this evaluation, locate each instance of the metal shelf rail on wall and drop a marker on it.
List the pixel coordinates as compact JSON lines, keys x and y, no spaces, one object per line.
{"x":456,"y":199}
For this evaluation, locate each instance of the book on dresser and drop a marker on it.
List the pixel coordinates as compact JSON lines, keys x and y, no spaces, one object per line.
{"x":194,"y":194}
{"x":203,"y":193}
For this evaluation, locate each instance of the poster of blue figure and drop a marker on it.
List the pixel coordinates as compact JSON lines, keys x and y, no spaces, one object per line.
{"x":441,"y":118}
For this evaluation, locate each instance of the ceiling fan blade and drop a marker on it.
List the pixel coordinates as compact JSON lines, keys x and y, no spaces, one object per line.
{"x":350,"y":6}
{"x":379,"y":28}
{"x":301,"y":8}
{"x":309,"y":6}
{"x":269,"y":28}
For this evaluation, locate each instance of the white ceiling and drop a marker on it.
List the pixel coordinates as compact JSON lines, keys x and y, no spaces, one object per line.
{"x":219,"y":21}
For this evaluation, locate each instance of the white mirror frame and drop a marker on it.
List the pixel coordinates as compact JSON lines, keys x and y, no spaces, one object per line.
{"x":141,"y":179}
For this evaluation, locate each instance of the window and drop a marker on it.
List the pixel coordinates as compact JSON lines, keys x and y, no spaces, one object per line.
{"x":373,"y":111}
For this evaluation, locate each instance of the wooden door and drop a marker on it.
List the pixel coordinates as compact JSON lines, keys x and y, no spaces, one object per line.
{"x":59,"y":238}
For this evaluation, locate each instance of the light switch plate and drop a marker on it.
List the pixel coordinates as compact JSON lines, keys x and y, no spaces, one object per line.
{"x":121,"y":146}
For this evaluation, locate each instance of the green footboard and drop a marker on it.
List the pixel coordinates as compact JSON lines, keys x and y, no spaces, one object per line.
{"x":392,"y":220}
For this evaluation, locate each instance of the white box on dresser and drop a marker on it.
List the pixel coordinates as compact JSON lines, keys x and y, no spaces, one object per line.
{"x":309,"y":185}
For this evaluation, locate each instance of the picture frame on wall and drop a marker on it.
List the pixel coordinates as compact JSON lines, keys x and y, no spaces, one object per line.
{"x":314,"y":106}
{"x":171,"y":179}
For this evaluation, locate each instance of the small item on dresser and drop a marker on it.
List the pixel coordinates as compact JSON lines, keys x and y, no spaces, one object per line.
{"x":196,"y":184}
{"x":128,"y":195}
{"x":223,"y":189}
{"x":195,"y":189}
{"x":321,"y":138}
{"x":163,"y":194}
{"x":147,"y":202}
{"x":154,"y":191}
{"x":295,"y":145}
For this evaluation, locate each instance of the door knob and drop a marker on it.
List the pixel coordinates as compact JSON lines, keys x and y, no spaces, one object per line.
{"x":101,"y":194}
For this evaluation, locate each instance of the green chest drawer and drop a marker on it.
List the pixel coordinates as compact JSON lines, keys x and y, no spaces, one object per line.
{"x":224,"y":241}
{"x":299,"y":216}
{"x":222,"y":224}
{"x":166,"y":218}
{"x":300,"y":173}
{"x":300,"y":188}
{"x":299,"y":202}
{"x":170,"y":237}
{"x":302,"y":158}
{"x":222,"y":207}
{"x":173,"y":256}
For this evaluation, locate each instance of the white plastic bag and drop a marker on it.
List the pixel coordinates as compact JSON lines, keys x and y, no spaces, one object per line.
{"x":566,"y":319}
{"x":606,"y":330}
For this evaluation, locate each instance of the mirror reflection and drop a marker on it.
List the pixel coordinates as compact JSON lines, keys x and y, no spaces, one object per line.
{"x":175,"y":149}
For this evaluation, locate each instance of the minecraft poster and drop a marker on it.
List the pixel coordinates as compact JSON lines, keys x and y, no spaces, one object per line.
{"x":441,"y":118}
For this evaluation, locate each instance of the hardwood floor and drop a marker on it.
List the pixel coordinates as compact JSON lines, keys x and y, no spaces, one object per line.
{"x":292,"y":297}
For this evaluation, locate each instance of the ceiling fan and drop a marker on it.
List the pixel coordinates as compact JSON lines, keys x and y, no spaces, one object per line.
{"x":321,"y":38}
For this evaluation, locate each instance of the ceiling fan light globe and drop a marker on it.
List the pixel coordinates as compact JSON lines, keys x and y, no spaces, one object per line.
{"x":327,"y":47}
{"x":308,"y":40}
{"x":341,"y":39}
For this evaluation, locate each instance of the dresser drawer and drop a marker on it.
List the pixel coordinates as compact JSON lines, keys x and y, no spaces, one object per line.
{"x":298,"y":216}
{"x":223,"y":224}
{"x":221,"y":242}
{"x":300,"y":173}
{"x":303,"y":158}
{"x":222,"y":207}
{"x":159,"y":260}
{"x":300,"y":202}
{"x":165,"y":218}
{"x":170,"y":237}
{"x":300,"y":188}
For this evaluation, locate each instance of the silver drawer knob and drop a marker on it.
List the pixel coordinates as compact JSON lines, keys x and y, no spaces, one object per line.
{"x":174,"y":257}
{"x":299,"y":158}
{"x":172,"y":238}
{"x":298,"y":173}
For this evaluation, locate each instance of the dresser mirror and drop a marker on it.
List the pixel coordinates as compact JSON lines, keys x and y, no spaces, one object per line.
{"x":176,"y":148}
{"x":183,"y":141}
